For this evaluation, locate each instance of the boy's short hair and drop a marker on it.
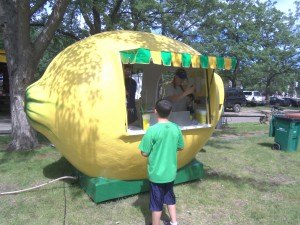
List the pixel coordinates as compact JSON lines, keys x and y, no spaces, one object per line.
{"x":163,"y":108}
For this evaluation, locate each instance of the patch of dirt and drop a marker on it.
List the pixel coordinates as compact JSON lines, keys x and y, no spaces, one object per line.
{"x":253,"y":133}
{"x":7,"y":188}
{"x":3,"y":147}
{"x":251,"y":169}
{"x":240,"y":203}
{"x":245,"y":134}
{"x":281,"y":179}
{"x":228,"y":136}
{"x":43,"y":155}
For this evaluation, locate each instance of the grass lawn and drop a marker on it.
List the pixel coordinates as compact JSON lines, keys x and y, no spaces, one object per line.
{"x":268,"y":107}
{"x":246,"y":183}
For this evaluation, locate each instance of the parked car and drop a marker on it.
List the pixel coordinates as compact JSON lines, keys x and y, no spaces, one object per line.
{"x":254,"y":98}
{"x":295,"y":102}
{"x":234,"y":99}
{"x":277,"y":101}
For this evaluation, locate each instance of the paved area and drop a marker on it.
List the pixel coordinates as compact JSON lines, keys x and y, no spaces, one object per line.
{"x":5,"y":125}
{"x":241,"y":119}
{"x":247,"y":115}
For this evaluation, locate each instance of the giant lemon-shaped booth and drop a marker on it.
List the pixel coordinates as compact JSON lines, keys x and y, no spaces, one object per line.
{"x":79,"y":104}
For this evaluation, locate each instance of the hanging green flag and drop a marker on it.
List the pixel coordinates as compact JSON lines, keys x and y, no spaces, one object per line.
{"x":186,"y":59}
{"x":127,"y":56}
{"x":220,"y":63}
{"x":143,"y":56}
{"x":204,"y":61}
{"x":166,"y":58}
{"x":233,"y":63}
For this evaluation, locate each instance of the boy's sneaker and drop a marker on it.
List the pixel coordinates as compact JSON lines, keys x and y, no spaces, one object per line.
{"x":169,"y":223}
{"x":165,"y":222}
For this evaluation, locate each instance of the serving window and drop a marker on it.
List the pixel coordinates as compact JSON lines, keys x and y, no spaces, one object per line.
{"x":152,"y":82}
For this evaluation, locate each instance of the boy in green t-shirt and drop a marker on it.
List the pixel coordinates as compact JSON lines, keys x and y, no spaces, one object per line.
{"x":160,"y":144}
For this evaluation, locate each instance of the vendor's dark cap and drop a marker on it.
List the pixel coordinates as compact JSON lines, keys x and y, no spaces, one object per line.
{"x":181,"y":73}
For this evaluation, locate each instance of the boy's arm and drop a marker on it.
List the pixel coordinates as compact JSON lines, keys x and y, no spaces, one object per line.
{"x":146,"y":144}
{"x":180,"y":145}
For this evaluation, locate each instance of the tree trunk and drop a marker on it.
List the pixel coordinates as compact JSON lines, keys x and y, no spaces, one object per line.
{"x":24,"y":137}
{"x":233,"y":82}
{"x":267,"y":92}
{"x":267,"y":89}
{"x":22,"y":59}
{"x":21,"y":66}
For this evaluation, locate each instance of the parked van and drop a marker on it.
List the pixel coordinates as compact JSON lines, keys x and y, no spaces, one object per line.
{"x":254,"y":98}
{"x":234,"y":99}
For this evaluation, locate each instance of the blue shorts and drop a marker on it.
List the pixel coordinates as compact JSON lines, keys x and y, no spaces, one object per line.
{"x":161,"y":194}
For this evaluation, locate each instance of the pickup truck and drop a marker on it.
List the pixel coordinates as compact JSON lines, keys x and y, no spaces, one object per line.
{"x":254,"y":98}
{"x":234,"y":99}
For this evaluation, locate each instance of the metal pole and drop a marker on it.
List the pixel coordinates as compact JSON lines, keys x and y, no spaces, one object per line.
{"x":208,"y":84}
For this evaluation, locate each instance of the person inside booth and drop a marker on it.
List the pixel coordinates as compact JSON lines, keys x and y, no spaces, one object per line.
{"x":177,"y":94}
{"x":130,"y":86}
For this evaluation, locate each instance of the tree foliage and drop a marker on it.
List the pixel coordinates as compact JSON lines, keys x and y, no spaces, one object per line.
{"x":244,"y":29}
{"x":276,"y":50}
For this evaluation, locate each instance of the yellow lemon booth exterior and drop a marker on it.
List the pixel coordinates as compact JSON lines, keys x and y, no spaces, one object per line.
{"x":79,"y":104}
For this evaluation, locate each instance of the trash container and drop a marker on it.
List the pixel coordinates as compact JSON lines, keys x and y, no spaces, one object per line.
{"x":286,"y":130}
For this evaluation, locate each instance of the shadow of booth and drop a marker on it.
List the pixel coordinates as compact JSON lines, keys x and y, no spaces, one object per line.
{"x":58,"y":169}
{"x":142,"y":202}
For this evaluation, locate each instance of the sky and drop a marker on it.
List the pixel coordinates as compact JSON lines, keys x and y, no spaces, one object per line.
{"x":284,"y":5}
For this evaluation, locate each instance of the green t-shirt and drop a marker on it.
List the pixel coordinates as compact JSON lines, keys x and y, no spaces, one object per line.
{"x":161,"y":143}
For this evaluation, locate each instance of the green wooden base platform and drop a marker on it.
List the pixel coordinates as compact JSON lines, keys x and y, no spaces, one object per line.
{"x":102,"y":189}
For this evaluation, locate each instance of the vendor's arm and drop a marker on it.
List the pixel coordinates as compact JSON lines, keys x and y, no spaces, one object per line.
{"x":178,"y":97}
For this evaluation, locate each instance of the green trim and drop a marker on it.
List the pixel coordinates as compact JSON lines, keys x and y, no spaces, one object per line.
{"x":166,"y":58}
{"x":204,"y":61}
{"x":220,"y":63}
{"x":233,"y":63}
{"x":143,"y":56}
{"x":127,"y":56}
{"x":140,"y":55}
{"x":101,"y":189}
{"x":186,"y":59}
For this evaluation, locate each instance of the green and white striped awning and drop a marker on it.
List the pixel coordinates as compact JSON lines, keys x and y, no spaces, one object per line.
{"x":144,"y":56}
